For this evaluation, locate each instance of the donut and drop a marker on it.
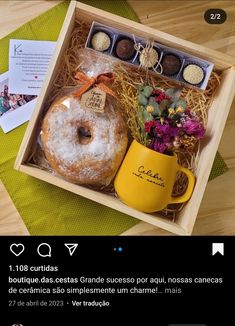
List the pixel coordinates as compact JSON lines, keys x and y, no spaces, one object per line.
{"x":84,"y":146}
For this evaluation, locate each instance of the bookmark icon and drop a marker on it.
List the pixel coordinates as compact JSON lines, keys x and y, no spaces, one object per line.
{"x":71,"y":247}
{"x":218,"y":248}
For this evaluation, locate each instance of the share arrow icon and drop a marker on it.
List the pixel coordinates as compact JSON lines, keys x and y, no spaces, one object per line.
{"x":72,"y":247}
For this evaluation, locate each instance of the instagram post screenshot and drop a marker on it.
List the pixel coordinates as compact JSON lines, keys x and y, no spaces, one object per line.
{"x":117,"y":162}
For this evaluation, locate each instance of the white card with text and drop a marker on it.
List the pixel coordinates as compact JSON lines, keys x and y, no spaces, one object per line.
{"x":28,"y":64}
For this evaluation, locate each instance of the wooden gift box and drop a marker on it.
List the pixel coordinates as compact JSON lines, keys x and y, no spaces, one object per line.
{"x":218,"y":113}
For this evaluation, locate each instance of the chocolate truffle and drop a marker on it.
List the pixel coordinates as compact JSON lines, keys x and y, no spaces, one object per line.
{"x":170,"y":64}
{"x":193,"y":74}
{"x":125,"y":49}
{"x":148,"y":57}
{"x":100,"y":41}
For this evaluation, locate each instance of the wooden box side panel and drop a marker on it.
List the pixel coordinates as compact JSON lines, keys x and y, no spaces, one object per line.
{"x":217,"y":117}
{"x":32,"y":129}
{"x":221,"y":60}
{"x":102,"y":198}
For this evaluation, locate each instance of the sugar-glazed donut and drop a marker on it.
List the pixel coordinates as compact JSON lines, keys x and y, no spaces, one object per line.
{"x":84,"y":146}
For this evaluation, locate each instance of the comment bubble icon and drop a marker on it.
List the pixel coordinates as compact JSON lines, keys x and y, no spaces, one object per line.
{"x":44,"y":250}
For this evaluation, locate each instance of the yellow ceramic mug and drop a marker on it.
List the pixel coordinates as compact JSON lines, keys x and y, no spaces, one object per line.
{"x":146,"y":178}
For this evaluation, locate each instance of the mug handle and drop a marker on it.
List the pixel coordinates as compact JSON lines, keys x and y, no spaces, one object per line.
{"x":189,"y":190}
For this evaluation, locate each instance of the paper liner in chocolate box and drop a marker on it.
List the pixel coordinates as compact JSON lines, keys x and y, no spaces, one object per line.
{"x":83,"y":134}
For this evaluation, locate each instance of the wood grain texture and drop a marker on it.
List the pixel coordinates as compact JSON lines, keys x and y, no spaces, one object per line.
{"x":15,"y":13}
{"x":183,"y":19}
{"x":10,"y":220}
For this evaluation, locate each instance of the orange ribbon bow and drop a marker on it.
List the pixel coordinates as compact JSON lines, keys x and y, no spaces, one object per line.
{"x":98,"y":81}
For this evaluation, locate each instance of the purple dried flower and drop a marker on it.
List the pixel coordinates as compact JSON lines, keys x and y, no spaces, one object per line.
{"x":166,"y":129}
{"x":194,"y":128}
{"x":159,"y":146}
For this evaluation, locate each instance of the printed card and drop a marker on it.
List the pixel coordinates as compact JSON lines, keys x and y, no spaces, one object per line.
{"x":28,"y":64}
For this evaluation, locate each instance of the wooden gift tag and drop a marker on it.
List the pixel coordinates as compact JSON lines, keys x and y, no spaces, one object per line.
{"x":94,"y":100}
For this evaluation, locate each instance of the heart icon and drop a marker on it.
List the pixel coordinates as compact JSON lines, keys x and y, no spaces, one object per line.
{"x":17,"y":248}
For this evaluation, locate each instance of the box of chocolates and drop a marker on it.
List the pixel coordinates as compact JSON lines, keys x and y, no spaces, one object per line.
{"x":150,"y":54}
{"x":172,"y":60}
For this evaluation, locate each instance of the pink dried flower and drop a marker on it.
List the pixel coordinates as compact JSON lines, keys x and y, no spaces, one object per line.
{"x":160,"y":95}
{"x":149,"y":125}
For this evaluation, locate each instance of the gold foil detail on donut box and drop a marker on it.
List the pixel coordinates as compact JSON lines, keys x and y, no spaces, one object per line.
{"x":94,"y":100}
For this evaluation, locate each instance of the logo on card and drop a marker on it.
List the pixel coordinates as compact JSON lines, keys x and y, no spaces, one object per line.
{"x":17,"y":49}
